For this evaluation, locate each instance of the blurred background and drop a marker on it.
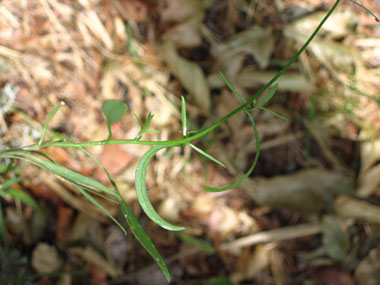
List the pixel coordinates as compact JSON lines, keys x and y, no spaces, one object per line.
{"x":309,"y":213}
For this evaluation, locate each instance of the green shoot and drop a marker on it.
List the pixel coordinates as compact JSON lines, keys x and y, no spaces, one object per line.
{"x":51,"y":115}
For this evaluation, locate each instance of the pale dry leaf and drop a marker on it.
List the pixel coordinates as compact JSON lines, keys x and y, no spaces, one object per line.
{"x":190,"y":75}
{"x":181,"y":10}
{"x":369,"y":154}
{"x":186,"y":34}
{"x":311,"y":190}
{"x":45,"y":258}
{"x":95,"y":25}
{"x":248,"y":77}
{"x":340,"y":24}
{"x":347,"y":207}
{"x":251,"y":263}
{"x":255,"y":41}
{"x":90,"y":255}
{"x":169,"y":210}
{"x":367,"y":271}
{"x":369,"y":182}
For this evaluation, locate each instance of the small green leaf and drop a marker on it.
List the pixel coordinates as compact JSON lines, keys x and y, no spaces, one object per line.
{"x":142,"y":237}
{"x":334,"y":239}
{"x":97,"y":204}
{"x":23,"y":197}
{"x":144,"y":127}
{"x":202,"y":152}
{"x":61,"y":171}
{"x":184,"y":117}
{"x":267,"y":97}
{"x":142,"y":194}
{"x":113,"y":110}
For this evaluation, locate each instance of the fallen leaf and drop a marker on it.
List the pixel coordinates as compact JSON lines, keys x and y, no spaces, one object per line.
{"x":334,"y":239}
{"x":306,"y":191}
{"x":251,"y":263}
{"x":45,"y":258}
{"x":190,"y":75}
{"x":254,"y":41}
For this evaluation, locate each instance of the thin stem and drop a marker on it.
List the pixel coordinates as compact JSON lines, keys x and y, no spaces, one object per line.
{"x":365,"y":8}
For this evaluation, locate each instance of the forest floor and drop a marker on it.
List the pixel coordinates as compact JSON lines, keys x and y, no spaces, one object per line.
{"x":309,"y":213}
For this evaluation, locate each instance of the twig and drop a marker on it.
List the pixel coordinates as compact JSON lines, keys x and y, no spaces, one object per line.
{"x":281,"y":234}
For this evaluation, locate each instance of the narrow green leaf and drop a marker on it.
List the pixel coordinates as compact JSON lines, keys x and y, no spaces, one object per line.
{"x":274,"y":114}
{"x":202,"y":152}
{"x":257,"y":138}
{"x":133,"y":224}
{"x":81,"y":188}
{"x":51,"y":115}
{"x":184,"y":117}
{"x":9,"y":182}
{"x":142,"y":237}
{"x":206,"y":247}
{"x":250,"y":170}
{"x":64,"y":172}
{"x":23,"y":197}
{"x":144,"y":128}
{"x":113,"y":110}
{"x":267,"y":97}
{"x":142,"y":194}
{"x":97,"y":204}
{"x":229,"y":85}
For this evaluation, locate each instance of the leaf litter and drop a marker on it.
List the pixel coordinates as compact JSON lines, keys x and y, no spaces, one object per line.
{"x":85,"y":52}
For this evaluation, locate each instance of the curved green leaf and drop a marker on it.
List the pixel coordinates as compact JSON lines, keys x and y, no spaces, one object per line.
{"x":142,"y":194}
{"x":246,"y":175}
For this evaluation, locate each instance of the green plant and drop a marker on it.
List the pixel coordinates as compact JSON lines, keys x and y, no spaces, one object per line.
{"x":113,"y":111}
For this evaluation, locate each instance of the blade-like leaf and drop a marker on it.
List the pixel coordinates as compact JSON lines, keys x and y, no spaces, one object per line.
{"x":97,"y":204}
{"x":133,"y":224}
{"x":23,"y":197}
{"x":113,"y":110}
{"x":144,"y":127}
{"x":274,"y":114}
{"x":80,"y":188}
{"x":64,"y":172}
{"x":142,"y":194}
{"x":202,"y":152}
{"x":184,"y":117}
{"x":267,"y":97}
{"x":142,"y":237}
{"x":51,"y":115}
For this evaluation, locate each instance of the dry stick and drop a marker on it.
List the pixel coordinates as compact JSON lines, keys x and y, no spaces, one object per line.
{"x":281,"y":234}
